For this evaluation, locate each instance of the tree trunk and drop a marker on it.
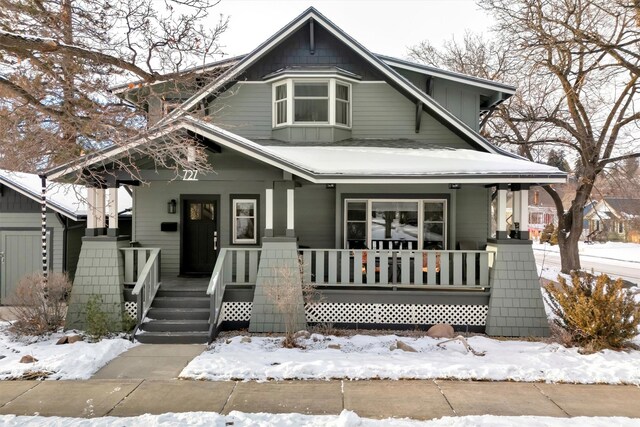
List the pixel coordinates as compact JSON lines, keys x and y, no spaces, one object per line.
{"x":569,"y":256}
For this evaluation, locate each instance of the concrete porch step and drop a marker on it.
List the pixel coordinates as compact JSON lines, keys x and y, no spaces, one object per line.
{"x":165,"y":313}
{"x":181,"y":302}
{"x":175,"y":326}
{"x":191,"y":337}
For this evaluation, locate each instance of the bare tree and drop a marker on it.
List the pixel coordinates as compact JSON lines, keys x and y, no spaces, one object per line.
{"x":574,"y":95}
{"x":59,"y":59}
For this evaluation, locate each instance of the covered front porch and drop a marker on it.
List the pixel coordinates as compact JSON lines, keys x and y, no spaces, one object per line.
{"x":395,"y":284}
{"x":410,"y":237}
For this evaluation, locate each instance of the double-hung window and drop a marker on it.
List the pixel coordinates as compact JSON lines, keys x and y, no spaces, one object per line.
{"x":280,"y":104}
{"x":343,"y":105}
{"x":311,"y":102}
{"x":244,"y":221}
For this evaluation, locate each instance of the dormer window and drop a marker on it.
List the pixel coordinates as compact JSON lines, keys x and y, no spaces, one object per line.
{"x":311,"y":102}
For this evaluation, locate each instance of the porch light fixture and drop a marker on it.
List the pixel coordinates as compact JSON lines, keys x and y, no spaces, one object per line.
{"x":171,"y":206}
{"x":454,"y":186}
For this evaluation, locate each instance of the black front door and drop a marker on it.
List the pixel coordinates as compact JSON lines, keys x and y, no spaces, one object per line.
{"x":199,"y":236}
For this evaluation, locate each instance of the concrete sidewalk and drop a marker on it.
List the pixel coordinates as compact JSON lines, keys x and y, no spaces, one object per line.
{"x":417,"y":399}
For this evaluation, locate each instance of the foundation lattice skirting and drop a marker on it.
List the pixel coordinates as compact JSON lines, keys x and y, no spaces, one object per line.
{"x":409,"y":314}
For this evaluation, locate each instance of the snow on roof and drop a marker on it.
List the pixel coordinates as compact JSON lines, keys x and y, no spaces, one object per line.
{"x":67,"y":199}
{"x":386,"y":161}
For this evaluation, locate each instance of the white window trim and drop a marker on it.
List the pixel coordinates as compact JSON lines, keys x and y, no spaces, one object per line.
{"x":290,"y":102}
{"x":420,"y":203}
{"x":235,"y":203}
{"x":328,"y":98}
{"x":286,"y":101}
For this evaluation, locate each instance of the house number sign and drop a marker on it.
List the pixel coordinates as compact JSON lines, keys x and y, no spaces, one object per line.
{"x":190,"y":175}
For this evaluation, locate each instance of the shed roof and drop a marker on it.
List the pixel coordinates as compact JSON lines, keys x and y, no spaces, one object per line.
{"x":66,"y":199}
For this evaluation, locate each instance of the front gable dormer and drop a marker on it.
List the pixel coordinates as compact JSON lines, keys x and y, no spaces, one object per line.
{"x":392,"y":107}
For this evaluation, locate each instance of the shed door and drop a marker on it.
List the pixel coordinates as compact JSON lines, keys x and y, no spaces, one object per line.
{"x":199,"y":236}
{"x":20,"y":255}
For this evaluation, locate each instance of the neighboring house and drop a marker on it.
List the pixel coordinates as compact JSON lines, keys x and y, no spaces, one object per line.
{"x":368,"y":169}
{"x":542,"y":211}
{"x":612,"y":219}
{"x":21,"y":227}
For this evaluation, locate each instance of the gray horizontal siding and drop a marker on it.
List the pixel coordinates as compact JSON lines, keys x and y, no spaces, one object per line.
{"x":245,"y":109}
{"x":315,"y":216}
{"x":378,"y":110}
{"x":472,"y":214}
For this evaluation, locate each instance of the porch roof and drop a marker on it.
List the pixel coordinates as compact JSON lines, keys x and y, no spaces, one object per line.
{"x":373,"y":160}
{"x":359,"y":160}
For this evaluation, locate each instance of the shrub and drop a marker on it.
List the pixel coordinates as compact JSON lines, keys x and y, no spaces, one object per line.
{"x":38,"y":307}
{"x":549,"y":235}
{"x":597,"y":312}
{"x":97,"y":319}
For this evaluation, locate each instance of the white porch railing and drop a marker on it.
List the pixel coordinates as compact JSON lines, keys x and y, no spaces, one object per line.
{"x":467,"y":269}
{"x":142,"y":268}
{"x":233,"y":266}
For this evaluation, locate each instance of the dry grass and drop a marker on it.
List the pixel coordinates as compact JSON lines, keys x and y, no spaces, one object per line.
{"x":38,"y":307}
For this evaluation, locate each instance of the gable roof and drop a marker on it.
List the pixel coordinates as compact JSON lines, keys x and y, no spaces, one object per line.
{"x":621,"y":208}
{"x":66,"y":199}
{"x":400,"y":81}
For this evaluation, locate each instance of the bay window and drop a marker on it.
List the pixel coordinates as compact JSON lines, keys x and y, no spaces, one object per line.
{"x":311,"y":102}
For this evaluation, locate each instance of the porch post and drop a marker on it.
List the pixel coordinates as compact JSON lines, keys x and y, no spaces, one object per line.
{"x":524,"y":214}
{"x":515,"y":217}
{"x":501,"y":212}
{"x":290,"y":213}
{"x":268,"y":228}
{"x":112,"y":205}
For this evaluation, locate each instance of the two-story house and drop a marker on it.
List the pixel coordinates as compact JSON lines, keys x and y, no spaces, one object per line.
{"x":364,"y":175}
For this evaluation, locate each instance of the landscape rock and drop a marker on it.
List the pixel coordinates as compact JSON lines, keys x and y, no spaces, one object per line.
{"x":74,"y":338}
{"x":245,"y":340}
{"x":334,"y":346}
{"x":28,"y":359}
{"x":441,"y":330}
{"x":69,"y":339}
{"x":405,"y":347}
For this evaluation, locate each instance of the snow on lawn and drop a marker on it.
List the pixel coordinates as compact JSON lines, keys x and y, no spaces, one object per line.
{"x":345,"y":419}
{"x":365,"y":356}
{"x":77,"y":361}
{"x":611,"y":250}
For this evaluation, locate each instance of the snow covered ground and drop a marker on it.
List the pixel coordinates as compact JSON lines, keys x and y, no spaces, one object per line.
{"x":77,"y":361}
{"x":345,"y":419}
{"x":608,"y":250}
{"x":366,"y":356}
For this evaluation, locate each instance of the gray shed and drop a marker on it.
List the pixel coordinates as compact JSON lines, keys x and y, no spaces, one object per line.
{"x":20,"y":226}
